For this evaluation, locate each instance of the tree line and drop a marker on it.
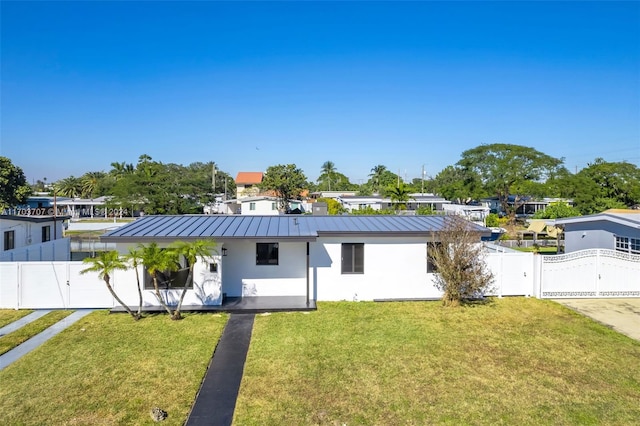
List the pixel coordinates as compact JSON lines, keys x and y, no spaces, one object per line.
{"x":512,"y":173}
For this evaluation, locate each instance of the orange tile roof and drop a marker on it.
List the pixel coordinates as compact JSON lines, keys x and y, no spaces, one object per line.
{"x":249,"y":177}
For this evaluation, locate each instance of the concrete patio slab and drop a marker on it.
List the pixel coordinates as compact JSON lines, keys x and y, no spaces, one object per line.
{"x":623,"y":315}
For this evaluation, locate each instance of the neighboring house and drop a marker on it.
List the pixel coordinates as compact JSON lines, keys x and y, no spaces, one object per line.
{"x":322,"y":257}
{"x":33,"y":238}
{"x":247,"y":184}
{"x":415,"y":202}
{"x":259,"y":206}
{"x":615,"y":229}
{"x":528,"y":205}
{"x":331,"y":194}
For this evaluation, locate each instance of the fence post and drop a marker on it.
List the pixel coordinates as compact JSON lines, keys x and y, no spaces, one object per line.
{"x":597,"y":277}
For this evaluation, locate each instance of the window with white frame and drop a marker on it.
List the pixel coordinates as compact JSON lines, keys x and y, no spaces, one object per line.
{"x":266,"y":253}
{"x":252,"y":206}
{"x":353,"y":258}
{"x":628,"y":245}
{"x":273,"y":206}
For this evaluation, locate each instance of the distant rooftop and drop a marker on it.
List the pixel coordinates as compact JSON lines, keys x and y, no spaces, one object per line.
{"x":249,"y":178}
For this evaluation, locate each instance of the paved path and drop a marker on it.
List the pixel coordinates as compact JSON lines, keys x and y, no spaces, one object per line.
{"x":37,"y":340}
{"x":216,"y":399}
{"x":10,"y":328}
{"x":623,"y":315}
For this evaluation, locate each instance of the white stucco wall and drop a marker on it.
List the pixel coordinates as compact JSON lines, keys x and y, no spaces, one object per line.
{"x":242,"y":276}
{"x":393,"y":268}
{"x":263,"y":207}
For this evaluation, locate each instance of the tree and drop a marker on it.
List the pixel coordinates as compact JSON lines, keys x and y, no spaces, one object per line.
{"x":326,"y":173}
{"x":376,"y":177}
{"x":14,"y":189}
{"x":509,"y":170}
{"x":556,"y":211}
{"x":333,"y":206}
{"x":134,"y":257}
{"x":457,"y":184}
{"x":287,"y":181}
{"x":158,"y":261}
{"x":90,"y":183}
{"x":68,"y":187}
{"x":399,"y":195}
{"x":192,"y":251}
{"x":105,"y":264}
{"x":604,"y":185}
{"x":457,"y":257}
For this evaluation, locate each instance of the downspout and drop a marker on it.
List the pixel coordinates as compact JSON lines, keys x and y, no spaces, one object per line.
{"x":307,"y":273}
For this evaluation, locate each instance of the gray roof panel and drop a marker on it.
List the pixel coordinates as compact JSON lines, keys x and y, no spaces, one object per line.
{"x":303,"y":227}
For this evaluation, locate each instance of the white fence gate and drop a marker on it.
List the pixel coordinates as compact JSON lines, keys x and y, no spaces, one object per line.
{"x":590,"y":273}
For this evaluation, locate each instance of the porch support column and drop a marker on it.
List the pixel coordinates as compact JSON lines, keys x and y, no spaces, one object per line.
{"x":307,"y":273}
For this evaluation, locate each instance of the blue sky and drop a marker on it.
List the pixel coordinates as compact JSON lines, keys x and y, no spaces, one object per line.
{"x":254,"y":84}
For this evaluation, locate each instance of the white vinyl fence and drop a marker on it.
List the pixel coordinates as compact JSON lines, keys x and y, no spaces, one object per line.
{"x":588,"y":273}
{"x":58,"y":249}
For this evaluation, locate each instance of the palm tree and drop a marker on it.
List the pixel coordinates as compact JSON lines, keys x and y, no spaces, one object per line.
{"x":68,"y":187}
{"x":157,"y":261}
{"x":376,"y":176}
{"x":120,"y":170}
{"x":134,"y":257}
{"x":192,"y":251}
{"x":90,"y":183}
{"x":399,"y":196}
{"x":105,"y":263}
{"x":327,"y":170}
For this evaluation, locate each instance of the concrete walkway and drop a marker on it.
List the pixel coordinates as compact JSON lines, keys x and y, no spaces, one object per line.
{"x":10,"y":328}
{"x":37,"y":340}
{"x":623,"y":315}
{"x":216,"y":399}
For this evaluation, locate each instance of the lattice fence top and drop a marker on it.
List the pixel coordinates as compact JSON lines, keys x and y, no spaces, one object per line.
{"x":591,"y":253}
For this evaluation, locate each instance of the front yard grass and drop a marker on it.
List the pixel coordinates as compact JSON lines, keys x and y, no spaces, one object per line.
{"x":110,"y":370}
{"x":510,"y":361}
{"x":21,"y":335}
{"x":7,"y":316}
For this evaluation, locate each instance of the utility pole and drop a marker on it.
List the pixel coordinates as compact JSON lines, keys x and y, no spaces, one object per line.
{"x":422,"y":189}
{"x":213,"y":179}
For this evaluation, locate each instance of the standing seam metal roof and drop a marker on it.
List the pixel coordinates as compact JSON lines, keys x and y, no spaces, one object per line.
{"x":280,"y":227}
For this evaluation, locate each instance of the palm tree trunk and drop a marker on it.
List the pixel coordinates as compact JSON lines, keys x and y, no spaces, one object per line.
{"x":176,"y":313}
{"x":115,"y":296}
{"x":139,"y":293}
{"x":159,"y":296}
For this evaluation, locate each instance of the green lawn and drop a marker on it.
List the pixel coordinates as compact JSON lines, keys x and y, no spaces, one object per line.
{"x":512,"y":361}
{"x":110,"y":370}
{"x":8,"y":316}
{"x":26,"y":332}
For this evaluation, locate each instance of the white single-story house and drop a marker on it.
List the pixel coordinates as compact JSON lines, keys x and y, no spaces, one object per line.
{"x":376,"y":202}
{"x":615,"y":229}
{"x":39,"y":238}
{"x":318,"y":257}
{"x":528,"y":206}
